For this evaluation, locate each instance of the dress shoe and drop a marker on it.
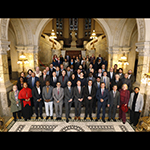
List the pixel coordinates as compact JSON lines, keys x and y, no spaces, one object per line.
{"x":114,"y":120}
{"x":47,"y":117}
{"x":91,"y":118}
{"x":67,"y":120}
{"x":84,"y":118}
{"x":51,"y":117}
{"x":69,"y":117}
{"x":96,"y":119}
{"x":103,"y":120}
{"x":123,"y":122}
{"x":37,"y":117}
{"x":57,"y":118}
{"x":41,"y":117}
{"x":109,"y":119}
{"x":78,"y":118}
{"x":75,"y":118}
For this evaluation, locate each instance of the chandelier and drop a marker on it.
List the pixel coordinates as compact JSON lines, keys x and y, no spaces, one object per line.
{"x":123,"y":61}
{"x":93,"y":36}
{"x":22,"y":60}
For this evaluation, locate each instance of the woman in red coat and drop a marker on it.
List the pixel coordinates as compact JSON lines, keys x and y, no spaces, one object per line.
{"x":24,"y":95}
{"x":124,"y":99}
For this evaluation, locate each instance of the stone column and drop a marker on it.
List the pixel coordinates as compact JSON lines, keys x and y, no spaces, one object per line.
{"x":143,"y":67}
{"x":5,"y":84}
{"x":114,"y":54}
{"x":143,"y":62}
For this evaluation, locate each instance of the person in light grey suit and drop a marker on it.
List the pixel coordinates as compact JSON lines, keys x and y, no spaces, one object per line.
{"x":68,"y":99}
{"x":106,"y":80}
{"x":63,"y":79}
{"x":135,"y":105}
{"x":48,"y":99}
{"x":113,"y":102}
{"x":58,"y":95}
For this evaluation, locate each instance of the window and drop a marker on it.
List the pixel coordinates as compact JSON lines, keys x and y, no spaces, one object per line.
{"x":87,"y":26}
{"x":73,"y":23}
{"x":59,"y":23}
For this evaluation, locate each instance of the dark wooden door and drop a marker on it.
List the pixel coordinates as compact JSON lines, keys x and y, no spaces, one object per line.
{"x":73,"y":53}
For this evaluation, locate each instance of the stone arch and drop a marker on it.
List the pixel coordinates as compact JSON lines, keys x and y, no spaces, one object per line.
{"x":19,"y":32}
{"x":106,"y":29}
{"x":126,"y":33}
{"x":39,"y":29}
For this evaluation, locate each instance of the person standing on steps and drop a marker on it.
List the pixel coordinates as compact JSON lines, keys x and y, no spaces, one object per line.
{"x":58,"y":95}
{"x":102,"y":97}
{"x":68,"y":99}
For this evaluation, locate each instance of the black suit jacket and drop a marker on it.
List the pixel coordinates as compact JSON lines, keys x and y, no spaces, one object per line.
{"x":52,"y":83}
{"x":42,"y":82}
{"x":30,"y":82}
{"x":86,"y":92}
{"x":35,"y":94}
{"x":68,"y":94}
{"x":113,"y":77}
{"x":112,"y":100}
{"x":78,"y":95}
{"x":51,"y":71}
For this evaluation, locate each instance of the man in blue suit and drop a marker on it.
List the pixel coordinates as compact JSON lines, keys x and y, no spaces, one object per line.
{"x":102,"y":96}
{"x":32,"y":80}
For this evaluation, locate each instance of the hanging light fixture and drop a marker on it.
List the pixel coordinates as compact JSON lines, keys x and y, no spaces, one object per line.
{"x":93,"y":35}
{"x":123,"y":61}
{"x":22,"y":60}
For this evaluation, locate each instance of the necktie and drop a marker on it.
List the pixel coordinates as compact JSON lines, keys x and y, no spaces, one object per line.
{"x":102,"y":92}
{"x":58,"y":91}
{"x":47,"y":89}
{"x":104,"y":81}
{"x":33,"y":82}
{"x":79,"y":90}
{"x":114,"y":94}
{"x":44,"y":78}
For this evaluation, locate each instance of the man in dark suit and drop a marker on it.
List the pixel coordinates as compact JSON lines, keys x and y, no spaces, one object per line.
{"x":32,"y":80}
{"x":51,"y":70}
{"x":68,"y":99}
{"x":132,"y":78}
{"x":68,"y":58}
{"x":78,"y":98}
{"x":89,"y":94}
{"x":113,"y":102}
{"x":102,"y":97}
{"x":111,"y":75}
{"x":44,"y":78}
{"x":127,"y":81}
{"x":53,"y":79}
{"x":63,"y":79}
{"x":37,"y":98}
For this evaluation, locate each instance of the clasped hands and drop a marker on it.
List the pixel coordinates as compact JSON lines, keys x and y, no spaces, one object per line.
{"x":80,"y":99}
{"x":27,"y":99}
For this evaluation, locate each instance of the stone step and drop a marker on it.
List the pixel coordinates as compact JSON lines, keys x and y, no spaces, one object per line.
{"x":72,"y":112}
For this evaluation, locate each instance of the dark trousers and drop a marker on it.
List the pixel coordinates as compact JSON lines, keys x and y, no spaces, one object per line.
{"x":77,"y":108}
{"x":99,"y":106}
{"x":19,"y":115}
{"x":94,"y":104}
{"x":134,"y":117}
{"x":68,"y":107}
{"x":112,"y":108}
{"x":36,"y":105}
{"x":88,"y":107}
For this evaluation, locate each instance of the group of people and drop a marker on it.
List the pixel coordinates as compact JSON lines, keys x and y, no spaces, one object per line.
{"x":77,"y":81}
